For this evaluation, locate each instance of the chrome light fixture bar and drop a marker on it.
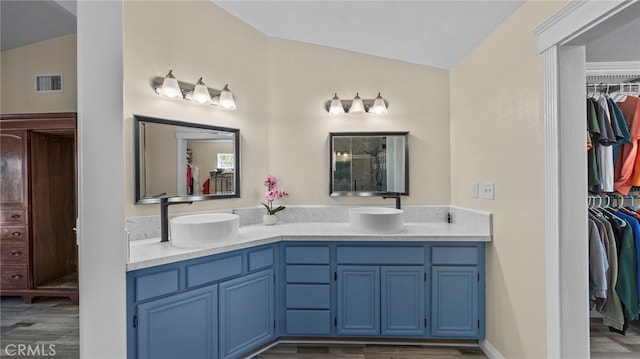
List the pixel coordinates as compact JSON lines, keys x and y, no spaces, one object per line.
{"x":199,"y":93}
{"x":377,"y":106}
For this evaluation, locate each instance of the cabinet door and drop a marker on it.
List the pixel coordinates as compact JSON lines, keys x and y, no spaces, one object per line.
{"x":246,"y":313}
{"x":454,"y":301}
{"x":179,"y":326}
{"x":358,"y":300}
{"x":402,"y":301}
{"x":13,"y":169}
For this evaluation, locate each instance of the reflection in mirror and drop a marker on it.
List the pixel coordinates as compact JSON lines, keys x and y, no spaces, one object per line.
{"x":369,"y":163}
{"x":185,"y":159}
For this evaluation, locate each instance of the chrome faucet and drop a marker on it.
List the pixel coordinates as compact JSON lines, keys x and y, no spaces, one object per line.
{"x":165,"y":202}
{"x":395,"y":195}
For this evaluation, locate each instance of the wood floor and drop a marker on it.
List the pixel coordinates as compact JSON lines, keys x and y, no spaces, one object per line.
{"x":368,"y":351}
{"x":48,"y":326}
{"x":54,"y":321}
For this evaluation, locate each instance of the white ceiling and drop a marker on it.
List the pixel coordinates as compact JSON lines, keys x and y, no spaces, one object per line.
{"x":426,"y":32}
{"x":26,"y":21}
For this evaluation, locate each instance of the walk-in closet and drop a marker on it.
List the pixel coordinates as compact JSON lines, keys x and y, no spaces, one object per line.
{"x":613,"y":175}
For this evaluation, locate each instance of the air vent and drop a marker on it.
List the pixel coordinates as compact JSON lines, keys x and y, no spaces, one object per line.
{"x":48,"y":83}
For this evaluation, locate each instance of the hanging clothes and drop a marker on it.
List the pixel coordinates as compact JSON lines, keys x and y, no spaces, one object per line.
{"x":598,"y":267}
{"x":630,"y":109}
{"x":628,"y":270}
{"x":593,"y":129}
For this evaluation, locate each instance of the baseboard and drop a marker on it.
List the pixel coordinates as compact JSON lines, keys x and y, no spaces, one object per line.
{"x":489,"y":350}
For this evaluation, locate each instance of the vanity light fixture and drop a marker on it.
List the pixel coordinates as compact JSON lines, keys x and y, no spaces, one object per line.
{"x":199,"y":93}
{"x":170,"y":86}
{"x":377,"y":106}
{"x":335,"y":108}
{"x":357,"y":106}
{"x":226,"y":99}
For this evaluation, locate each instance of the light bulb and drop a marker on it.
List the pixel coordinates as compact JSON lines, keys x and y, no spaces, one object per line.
{"x":226,"y":99}
{"x":357,"y":106}
{"x":379,"y":106}
{"x":336,"y":106}
{"x":201,"y":93}
{"x":170,"y":86}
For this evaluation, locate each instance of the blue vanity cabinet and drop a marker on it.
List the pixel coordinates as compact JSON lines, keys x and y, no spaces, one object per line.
{"x":386,"y":297}
{"x":246,"y":313}
{"x":217,"y":306}
{"x":307,"y":289}
{"x":179,"y":326}
{"x":402,"y":300}
{"x":457,"y":291}
{"x":358,"y":300}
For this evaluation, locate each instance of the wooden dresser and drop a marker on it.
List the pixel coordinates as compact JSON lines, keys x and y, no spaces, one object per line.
{"x":38,"y":206}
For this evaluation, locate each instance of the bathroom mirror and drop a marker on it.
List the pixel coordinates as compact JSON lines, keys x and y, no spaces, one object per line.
{"x":368,"y":163}
{"x":174,"y":158}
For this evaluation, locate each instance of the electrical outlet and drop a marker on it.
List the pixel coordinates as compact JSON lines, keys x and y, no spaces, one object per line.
{"x":488,"y":189}
{"x":474,"y":190}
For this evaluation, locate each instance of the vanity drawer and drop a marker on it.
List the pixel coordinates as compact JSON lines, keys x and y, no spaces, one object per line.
{"x":455,"y":255}
{"x":309,"y":322}
{"x":14,"y":253}
{"x":260,"y":259}
{"x":14,"y":277}
{"x":307,"y":254}
{"x":213,"y":270}
{"x":308,"y":296}
{"x":156,"y":284}
{"x":297,"y":273}
{"x":13,"y":233}
{"x":380,"y":255}
{"x":13,"y":216}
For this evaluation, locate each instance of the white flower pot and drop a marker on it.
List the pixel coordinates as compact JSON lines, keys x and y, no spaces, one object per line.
{"x":269,"y":219}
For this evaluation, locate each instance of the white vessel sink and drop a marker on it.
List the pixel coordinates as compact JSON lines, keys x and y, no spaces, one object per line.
{"x":376,"y":219}
{"x":201,"y":230}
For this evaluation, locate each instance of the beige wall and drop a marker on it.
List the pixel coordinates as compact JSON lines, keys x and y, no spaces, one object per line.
{"x":497,"y":135}
{"x":200,"y":40}
{"x":280,"y":88}
{"x":303,"y":77}
{"x":21,"y":65}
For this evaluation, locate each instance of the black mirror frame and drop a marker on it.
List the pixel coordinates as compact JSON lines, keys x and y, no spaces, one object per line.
{"x":146,"y":200}
{"x":333,"y":193}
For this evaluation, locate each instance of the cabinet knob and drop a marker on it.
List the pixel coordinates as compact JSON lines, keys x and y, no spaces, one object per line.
{"x":15,"y":216}
{"x":16,"y":234}
{"x":16,"y":253}
{"x":16,"y":276}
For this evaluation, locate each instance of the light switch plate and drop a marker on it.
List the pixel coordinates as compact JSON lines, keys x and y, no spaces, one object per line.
{"x":488,"y":189}
{"x":474,"y":190}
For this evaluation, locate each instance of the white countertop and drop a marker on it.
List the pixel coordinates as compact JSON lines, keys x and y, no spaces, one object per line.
{"x":150,"y":252}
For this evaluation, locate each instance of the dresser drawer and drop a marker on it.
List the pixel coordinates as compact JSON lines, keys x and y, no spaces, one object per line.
{"x":380,"y":255}
{"x":455,"y":255}
{"x":214,"y":270}
{"x":14,"y":277}
{"x":156,"y":284}
{"x":307,"y":254}
{"x":306,"y":273}
{"x":10,"y":233}
{"x":14,"y":253}
{"x":308,"y":296}
{"x":13,"y":216}
{"x":309,"y":322}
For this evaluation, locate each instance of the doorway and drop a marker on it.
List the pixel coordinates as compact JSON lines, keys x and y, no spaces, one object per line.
{"x":39,"y":201}
{"x":562,"y":41}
